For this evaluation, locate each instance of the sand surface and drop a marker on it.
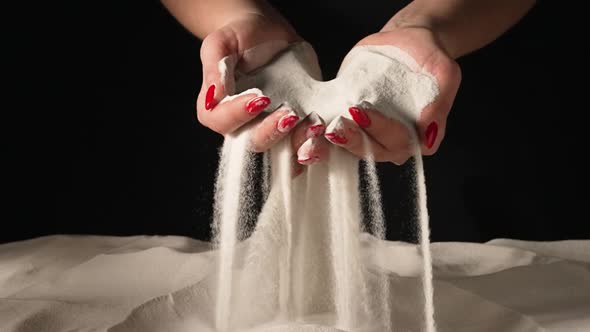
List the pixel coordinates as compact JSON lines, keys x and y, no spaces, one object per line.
{"x":146,"y":283}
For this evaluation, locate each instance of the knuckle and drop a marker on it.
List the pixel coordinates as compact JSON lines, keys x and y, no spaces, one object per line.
{"x":206,"y":122}
{"x":204,"y":119}
{"x":222,"y":40}
{"x":218,"y":129}
{"x":254,"y":147}
{"x":200,"y":117}
{"x":398,"y":157}
{"x":399,"y":160}
{"x":355,"y":141}
{"x":352,"y":144}
{"x":379,"y":157}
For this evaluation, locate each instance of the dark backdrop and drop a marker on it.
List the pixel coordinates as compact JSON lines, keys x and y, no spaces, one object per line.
{"x":107,"y":141}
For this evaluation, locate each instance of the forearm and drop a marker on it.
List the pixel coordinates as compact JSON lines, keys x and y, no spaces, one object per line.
{"x":201,"y":17}
{"x":461,"y":26}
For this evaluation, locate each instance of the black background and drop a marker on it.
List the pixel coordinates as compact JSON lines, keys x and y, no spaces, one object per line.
{"x":105,"y":140}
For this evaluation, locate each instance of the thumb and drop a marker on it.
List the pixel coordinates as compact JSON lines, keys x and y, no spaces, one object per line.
{"x":242,"y":44}
{"x":431,"y":125}
{"x":219,"y":55}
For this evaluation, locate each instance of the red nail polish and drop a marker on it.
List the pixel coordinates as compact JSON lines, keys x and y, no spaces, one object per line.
{"x":257,"y":104}
{"x":309,"y":160}
{"x":287,"y":123}
{"x":431,"y":132}
{"x":315,"y":131}
{"x":360,"y":117}
{"x":210,"y":101}
{"x":335,"y":138}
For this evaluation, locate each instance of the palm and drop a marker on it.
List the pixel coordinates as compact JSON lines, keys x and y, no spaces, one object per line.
{"x":421,"y":44}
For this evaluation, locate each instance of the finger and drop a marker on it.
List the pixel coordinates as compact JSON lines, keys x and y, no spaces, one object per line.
{"x":391,"y":133}
{"x":313,"y":150}
{"x":432,"y":122}
{"x":312,"y":126}
{"x":219,"y":55}
{"x":274,"y":127}
{"x":242,"y":45}
{"x":260,"y":54}
{"x":234,"y":112}
{"x":296,"y":168}
{"x":347,"y":134}
{"x":307,"y":140}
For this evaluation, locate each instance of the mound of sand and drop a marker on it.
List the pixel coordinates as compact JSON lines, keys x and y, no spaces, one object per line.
{"x":141,"y":283}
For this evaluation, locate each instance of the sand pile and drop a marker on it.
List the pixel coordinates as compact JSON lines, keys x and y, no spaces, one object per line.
{"x":155,"y":284}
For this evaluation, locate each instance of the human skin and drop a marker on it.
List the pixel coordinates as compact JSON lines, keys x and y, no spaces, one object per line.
{"x":433,"y":32}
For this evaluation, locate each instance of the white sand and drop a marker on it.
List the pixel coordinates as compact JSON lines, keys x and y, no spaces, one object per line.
{"x":313,"y":264}
{"x":383,"y":76}
{"x":307,"y":266}
{"x":140,"y":283}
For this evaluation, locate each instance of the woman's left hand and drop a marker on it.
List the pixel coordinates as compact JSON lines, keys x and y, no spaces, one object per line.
{"x":391,"y":140}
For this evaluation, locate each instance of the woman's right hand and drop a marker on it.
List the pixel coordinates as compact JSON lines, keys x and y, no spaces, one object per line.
{"x":251,"y":40}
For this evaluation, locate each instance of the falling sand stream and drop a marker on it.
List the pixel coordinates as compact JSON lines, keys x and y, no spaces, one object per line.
{"x":304,"y":260}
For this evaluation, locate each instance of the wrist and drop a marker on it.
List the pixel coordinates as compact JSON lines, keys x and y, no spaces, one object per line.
{"x":254,"y":11}
{"x":204,"y":17}
{"x":414,"y":19}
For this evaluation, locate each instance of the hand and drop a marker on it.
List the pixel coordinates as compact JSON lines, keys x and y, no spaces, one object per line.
{"x":391,"y":140}
{"x":251,"y":39}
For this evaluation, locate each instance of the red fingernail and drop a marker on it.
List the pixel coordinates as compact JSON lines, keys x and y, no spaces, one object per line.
{"x":309,"y":160}
{"x":286,"y":123}
{"x":315,"y":131}
{"x":210,"y":101}
{"x":431,"y":132}
{"x":257,"y":104}
{"x":360,"y":117}
{"x":335,"y":138}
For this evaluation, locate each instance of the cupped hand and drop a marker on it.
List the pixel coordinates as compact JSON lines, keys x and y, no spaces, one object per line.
{"x":250,"y":40}
{"x":389,"y":139}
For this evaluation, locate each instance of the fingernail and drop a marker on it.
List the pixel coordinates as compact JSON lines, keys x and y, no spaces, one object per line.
{"x":336,"y":138}
{"x":210,"y":101}
{"x":257,"y":104}
{"x":287,"y":122}
{"x":335,"y":131}
{"x":316,"y":127}
{"x":308,"y":152}
{"x":431,"y":132}
{"x":360,"y":117}
{"x":308,"y":161}
{"x":315,"y":130}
